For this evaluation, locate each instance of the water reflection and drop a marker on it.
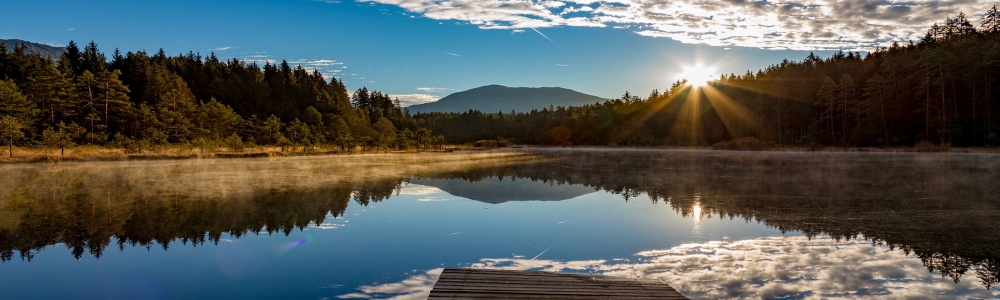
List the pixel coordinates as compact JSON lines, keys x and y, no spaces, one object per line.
{"x":88,"y":207}
{"x":498,"y":190}
{"x":942,"y":209}
{"x":767,"y":268}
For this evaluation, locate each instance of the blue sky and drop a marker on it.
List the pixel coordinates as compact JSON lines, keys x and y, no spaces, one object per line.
{"x":420,"y":50}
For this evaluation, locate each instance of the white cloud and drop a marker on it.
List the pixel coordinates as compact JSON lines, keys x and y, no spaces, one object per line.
{"x":775,"y":24}
{"x":328,"y":67}
{"x":562,"y":65}
{"x":432,"y":89}
{"x":224,"y":48}
{"x":413,"y":99}
{"x":765,"y":268}
{"x":516,"y":31}
{"x":452,"y":54}
{"x":71,"y":29}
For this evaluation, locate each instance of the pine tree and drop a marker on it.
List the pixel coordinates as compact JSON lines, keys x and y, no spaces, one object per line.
{"x":991,"y":21}
{"x":52,"y":91}
{"x":386,"y":132}
{"x":11,"y":129}
{"x":847,"y":95}
{"x":217,"y":120}
{"x":15,"y":104}
{"x":117,"y":108}
{"x":71,"y":61}
{"x":93,"y":60}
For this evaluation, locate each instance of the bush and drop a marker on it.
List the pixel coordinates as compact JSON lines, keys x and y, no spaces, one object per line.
{"x":235,"y":143}
{"x":743,"y":143}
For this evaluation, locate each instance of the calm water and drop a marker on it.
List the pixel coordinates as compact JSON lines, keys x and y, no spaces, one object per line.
{"x":711,"y":224}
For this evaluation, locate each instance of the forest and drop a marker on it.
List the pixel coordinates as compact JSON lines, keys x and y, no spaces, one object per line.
{"x":937,"y":91}
{"x":940,"y":91}
{"x":136,"y":101}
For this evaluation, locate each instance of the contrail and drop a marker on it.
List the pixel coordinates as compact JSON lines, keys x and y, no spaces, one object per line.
{"x":546,"y":250}
{"x":543,"y":35}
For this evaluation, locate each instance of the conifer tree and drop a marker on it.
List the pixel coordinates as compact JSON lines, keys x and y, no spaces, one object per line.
{"x":52,"y":92}
{"x":991,"y":21}
{"x":15,"y":104}
{"x":11,"y":130}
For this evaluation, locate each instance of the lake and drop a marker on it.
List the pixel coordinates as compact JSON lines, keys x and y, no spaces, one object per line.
{"x":712,"y":224}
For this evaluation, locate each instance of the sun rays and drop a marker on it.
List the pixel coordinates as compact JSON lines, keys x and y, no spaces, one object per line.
{"x":698,"y":75}
{"x":696,"y":96}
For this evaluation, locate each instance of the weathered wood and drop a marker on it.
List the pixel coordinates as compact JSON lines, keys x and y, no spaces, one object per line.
{"x":505,"y":284}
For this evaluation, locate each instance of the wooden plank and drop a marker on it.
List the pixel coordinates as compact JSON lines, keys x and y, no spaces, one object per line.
{"x":550,"y":289}
{"x":584,"y":287}
{"x":439,"y":296}
{"x":507,"y":284}
{"x":529,"y":284}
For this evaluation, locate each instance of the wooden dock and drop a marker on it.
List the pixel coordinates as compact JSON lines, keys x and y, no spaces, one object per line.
{"x":500,"y":284}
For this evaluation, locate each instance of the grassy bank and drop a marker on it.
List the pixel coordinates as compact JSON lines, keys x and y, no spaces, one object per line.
{"x":34,"y":154}
{"x":37,"y":154}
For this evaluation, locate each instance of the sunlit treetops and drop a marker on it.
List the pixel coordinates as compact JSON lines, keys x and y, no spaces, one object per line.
{"x":940,"y":90}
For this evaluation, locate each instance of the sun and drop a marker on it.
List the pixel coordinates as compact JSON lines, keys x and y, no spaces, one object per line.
{"x":698,"y":75}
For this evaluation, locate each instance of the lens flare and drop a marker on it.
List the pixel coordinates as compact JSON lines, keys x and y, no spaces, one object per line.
{"x":287,"y":247}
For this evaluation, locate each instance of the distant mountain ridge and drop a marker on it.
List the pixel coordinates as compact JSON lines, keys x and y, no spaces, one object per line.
{"x":44,"y":50}
{"x":498,"y":98}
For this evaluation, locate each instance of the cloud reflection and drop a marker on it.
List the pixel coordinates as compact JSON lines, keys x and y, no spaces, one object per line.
{"x":415,"y":287}
{"x":765,"y":268}
{"x":416,"y":189}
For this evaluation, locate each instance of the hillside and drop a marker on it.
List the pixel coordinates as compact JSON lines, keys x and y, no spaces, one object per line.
{"x":498,"y":98}
{"x":52,"y":52}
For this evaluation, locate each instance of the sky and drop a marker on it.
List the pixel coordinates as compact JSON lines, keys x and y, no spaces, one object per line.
{"x":422,"y":50}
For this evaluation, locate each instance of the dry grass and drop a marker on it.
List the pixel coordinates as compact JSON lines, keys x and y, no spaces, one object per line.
{"x":30,"y":154}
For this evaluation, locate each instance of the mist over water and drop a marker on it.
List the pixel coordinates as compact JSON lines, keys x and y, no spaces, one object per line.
{"x":712,"y":224}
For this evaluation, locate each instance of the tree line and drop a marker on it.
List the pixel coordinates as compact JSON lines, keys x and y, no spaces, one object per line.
{"x":941,"y":90}
{"x":136,"y":100}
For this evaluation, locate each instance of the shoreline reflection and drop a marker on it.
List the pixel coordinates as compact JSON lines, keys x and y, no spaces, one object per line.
{"x":940,"y":209}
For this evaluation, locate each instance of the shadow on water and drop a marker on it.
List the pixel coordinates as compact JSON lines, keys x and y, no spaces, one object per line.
{"x":941,"y":208}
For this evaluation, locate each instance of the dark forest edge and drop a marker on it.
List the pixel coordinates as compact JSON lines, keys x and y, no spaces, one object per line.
{"x":933,"y":94}
{"x":936,"y":93}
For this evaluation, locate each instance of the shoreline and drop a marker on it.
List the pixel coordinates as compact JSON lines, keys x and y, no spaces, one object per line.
{"x":99,"y":154}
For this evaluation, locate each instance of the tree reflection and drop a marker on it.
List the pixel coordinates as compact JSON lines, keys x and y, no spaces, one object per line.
{"x":942,"y":208}
{"x":154,"y":204}
{"x":86,"y":219}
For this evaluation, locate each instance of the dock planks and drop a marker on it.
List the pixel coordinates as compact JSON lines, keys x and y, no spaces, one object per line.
{"x":503,"y":284}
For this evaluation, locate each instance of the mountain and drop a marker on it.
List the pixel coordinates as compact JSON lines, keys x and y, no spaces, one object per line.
{"x":498,"y":98}
{"x":496,"y":191}
{"x":44,"y":50}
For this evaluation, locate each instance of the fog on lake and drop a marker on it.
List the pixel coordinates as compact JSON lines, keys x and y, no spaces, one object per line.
{"x":713,"y":224}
